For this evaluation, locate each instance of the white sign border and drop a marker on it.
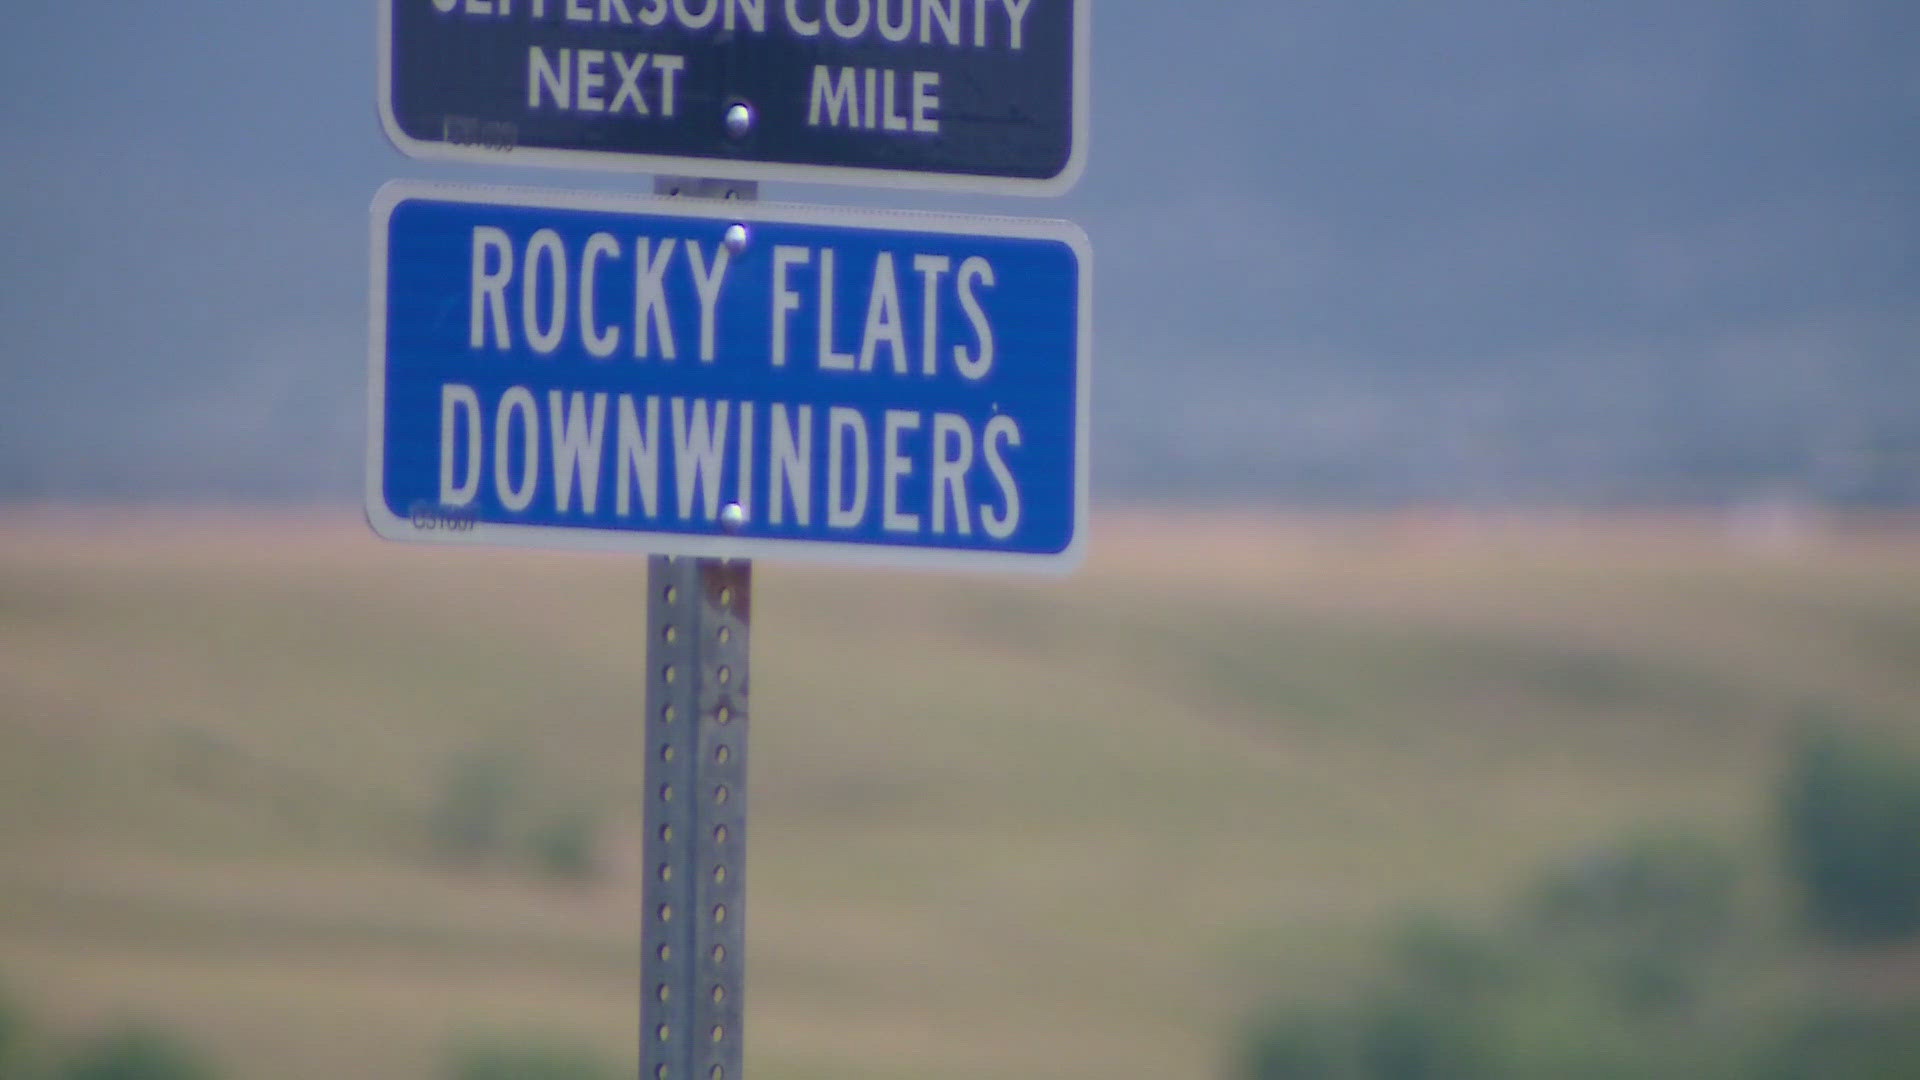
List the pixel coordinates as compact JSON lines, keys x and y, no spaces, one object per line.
{"x":493,"y":534}
{"x":1080,"y":130}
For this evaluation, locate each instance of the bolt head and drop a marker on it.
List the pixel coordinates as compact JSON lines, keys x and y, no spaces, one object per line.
{"x":736,"y":238}
{"x":739,"y":119}
{"x":732,"y":518}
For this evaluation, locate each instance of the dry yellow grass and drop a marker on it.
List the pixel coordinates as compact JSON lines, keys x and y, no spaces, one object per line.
{"x":1001,"y":827}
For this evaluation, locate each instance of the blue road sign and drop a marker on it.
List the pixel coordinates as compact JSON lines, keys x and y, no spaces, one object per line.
{"x":727,"y":379}
{"x":979,"y":95}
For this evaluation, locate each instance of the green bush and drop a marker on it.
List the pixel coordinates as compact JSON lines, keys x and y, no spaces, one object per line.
{"x":1302,"y":1045}
{"x":134,"y":1054}
{"x":1639,"y":922}
{"x":1849,"y":812}
{"x":567,"y":845}
{"x":471,"y":819}
{"x":1668,"y":885}
{"x":1423,"y":1036}
{"x":527,"y":1059}
{"x":1852,"y":1043}
{"x":1453,"y":959}
{"x":1594,"y":977}
{"x":13,"y":1038}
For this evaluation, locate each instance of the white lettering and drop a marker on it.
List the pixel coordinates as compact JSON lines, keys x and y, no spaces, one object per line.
{"x":458,"y":402}
{"x":945,"y":13}
{"x":1001,"y":524}
{"x":792,"y":467}
{"x":489,"y":298}
{"x":843,"y":513}
{"x":693,"y":21}
{"x":931,"y":269}
{"x":600,"y":343}
{"x":699,"y":450}
{"x":976,"y":366}
{"x":589,"y":78}
{"x":834,"y":99}
{"x":952,"y":457}
{"x":803,"y":27}
{"x":1017,"y":16}
{"x":843,"y":29}
{"x":785,"y":300}
{"x":650,"y":298}
{"x":828,"y":358}
{"x":897,"y":468}
{"x":896,"y":31}
{"x":890,"y":116}
{"x":516,"y":402}
{"x":629,"y":89}
{"x":883,"y":318}
{"x":545,"y":247}
{"x":669,"y":68}
{"x":576,"y":447}
{"x":744,"y":486}
{"x":542,"y":73}
{"x":639,"y":458}
{"x":926,"y":102}
{"x":706,"y":280}
{"x":754,"y":10}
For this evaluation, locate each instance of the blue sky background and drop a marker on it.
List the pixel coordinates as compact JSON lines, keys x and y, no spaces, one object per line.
{"x":1359,"y":251}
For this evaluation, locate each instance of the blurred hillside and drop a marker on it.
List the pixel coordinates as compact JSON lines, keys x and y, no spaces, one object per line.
{"x":1000,"y":828}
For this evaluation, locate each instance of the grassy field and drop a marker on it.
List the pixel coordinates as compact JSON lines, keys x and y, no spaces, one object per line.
{"x":1001,"y":828}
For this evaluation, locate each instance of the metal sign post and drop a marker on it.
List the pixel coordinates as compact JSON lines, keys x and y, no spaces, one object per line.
{"x":693,"y":896}
{"x":693,"y":913}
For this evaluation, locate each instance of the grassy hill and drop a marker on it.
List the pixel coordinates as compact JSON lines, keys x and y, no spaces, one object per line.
{"x":1000,"y":828}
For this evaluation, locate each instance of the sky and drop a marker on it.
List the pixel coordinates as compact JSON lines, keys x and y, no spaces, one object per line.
{"x":1382,"y":250}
